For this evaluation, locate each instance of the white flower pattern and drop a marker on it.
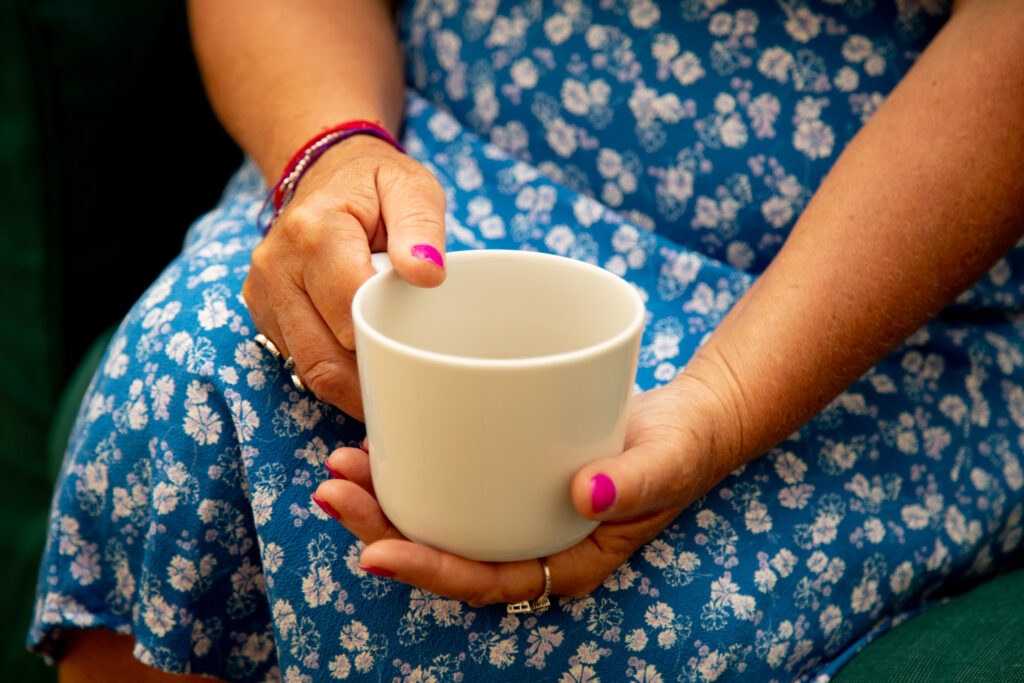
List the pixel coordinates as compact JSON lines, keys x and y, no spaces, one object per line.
{"x":675,"y":145}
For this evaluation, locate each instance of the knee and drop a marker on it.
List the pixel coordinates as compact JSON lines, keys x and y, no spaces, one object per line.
{"x":99,"y":655}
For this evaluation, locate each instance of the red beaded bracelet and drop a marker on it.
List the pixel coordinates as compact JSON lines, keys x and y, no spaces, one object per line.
{"x":283,"y":190}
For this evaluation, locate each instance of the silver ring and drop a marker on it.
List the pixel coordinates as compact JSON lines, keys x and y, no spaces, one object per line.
{"x":267,"y":345}
{"x":541,"y":604}
{"x":289,"y":365}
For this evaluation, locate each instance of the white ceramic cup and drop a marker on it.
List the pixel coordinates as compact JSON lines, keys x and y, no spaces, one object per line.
{"x":484,"y":396}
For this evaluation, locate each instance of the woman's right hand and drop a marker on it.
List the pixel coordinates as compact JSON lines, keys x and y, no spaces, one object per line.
{"x":361,"y":196}
{"x":677,"y":447}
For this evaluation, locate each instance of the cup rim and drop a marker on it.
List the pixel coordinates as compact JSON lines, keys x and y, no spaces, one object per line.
{"x":577,"y":355}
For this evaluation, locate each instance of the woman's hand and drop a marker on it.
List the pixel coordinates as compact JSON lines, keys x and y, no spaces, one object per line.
{"x":669,"y":461}
{"x":360,"y":196}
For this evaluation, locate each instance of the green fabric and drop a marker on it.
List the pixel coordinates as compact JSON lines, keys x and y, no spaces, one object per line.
{"x":978,"y":636}
{"x":67,"y":408}
{"x":108,"y":150}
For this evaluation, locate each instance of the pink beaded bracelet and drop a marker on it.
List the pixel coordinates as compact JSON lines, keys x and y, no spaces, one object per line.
{"x":283,"y":190}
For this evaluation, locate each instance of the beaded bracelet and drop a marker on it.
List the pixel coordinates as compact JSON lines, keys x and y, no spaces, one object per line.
{"x":284,"y":189}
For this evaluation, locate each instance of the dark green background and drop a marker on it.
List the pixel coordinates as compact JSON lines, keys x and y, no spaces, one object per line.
{"x":108,"y":151}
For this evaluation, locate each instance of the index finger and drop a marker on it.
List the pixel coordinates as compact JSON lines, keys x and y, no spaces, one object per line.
{"x":478,"y":583}
{"x":576,"y":571}
{"x":335,"y":270}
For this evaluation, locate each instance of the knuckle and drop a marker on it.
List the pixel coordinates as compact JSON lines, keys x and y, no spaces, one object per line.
{"x":349,"y":237}
{"x":428,"y":183}
{"x":260,"y":262}
{"x":303,"y":234}
{"x":361,"y":200}
{"x":498,"y":589}
{"x":414,"y":176}
{"x":325,"y":378}
{"x":433,"y":199}
{"x":297,"y":217}
{"x":256,"y":310}
{"x":509,"y":594}
{"x":424,"y":219}
{"x":255,"y":296}
{"x":346,"y":336}
{"x":616,"y":549}
{"x":248,"y":293}
{"x":646,"y":488}
{"x":482,"y":597}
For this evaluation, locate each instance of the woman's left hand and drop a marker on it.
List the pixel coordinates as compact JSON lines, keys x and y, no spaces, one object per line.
{"x":668,"y":462}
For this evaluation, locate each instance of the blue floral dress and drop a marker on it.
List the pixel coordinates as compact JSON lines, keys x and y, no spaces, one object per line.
{"x":673,"y":144}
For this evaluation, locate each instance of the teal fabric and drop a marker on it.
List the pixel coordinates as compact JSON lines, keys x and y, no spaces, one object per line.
{"x":89,"y":91}
{"x":978,"y":636}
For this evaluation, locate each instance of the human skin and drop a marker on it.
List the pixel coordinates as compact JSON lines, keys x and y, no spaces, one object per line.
{"x":918,"y":206}
{"x":278,"y":74}
{"x":931,"y":185}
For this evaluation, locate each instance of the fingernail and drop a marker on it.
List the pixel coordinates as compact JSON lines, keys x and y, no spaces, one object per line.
{"x":364,"y":445}
{"x":377,"y":571}
{"x":428,"y":253}
{"x":334,"y":473}
{"x":602,"y":492}
{"x":326,"y":507}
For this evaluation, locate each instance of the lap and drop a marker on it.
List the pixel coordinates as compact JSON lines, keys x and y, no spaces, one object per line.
{"x":183,"y":514}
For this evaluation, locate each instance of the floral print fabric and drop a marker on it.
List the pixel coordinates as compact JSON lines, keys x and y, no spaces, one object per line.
{"x":674,"y":144}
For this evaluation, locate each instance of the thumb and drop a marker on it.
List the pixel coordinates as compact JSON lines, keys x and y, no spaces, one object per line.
{"x":412,"y":205}
{"x":648,"y":477}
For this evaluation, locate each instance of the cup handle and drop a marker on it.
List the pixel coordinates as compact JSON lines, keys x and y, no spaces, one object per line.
{"x":380,"y":261}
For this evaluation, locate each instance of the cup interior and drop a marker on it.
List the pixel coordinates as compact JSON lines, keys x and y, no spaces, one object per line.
{"x":502,"y":305}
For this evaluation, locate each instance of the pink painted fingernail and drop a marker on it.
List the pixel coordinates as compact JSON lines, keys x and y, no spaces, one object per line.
{"x":326,"y":507}
{"x":602,"y":492}
{"x":364,"y":445}
{"x":428,"y":253}
{"x":377,"y":571}
{"x":334,"y":473}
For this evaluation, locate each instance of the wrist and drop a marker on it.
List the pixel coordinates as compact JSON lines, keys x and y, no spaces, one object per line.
{"x":715,"y":402}
{"x":282,"y":192}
